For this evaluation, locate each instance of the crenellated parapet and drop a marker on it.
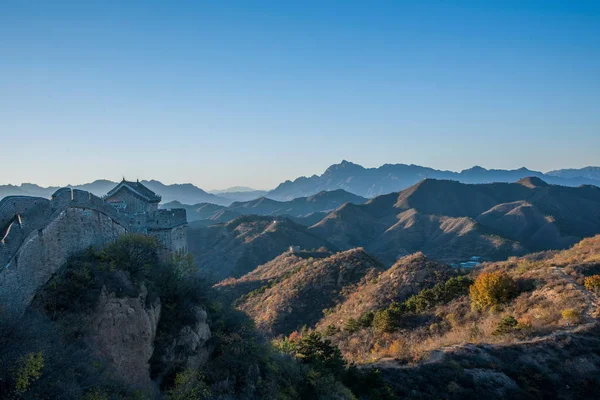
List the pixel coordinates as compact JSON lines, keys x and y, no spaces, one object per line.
{"x":67,"y":197}
{"x":22,"y":215}
{"x":38,"y":235}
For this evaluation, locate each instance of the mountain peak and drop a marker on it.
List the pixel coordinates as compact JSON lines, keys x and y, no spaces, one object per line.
{"x":343,"y":166}
{"x":532,"y":182}
{"x":474,"y":169}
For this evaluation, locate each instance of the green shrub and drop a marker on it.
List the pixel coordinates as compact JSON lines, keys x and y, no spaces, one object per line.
{"x":507,"y":325}
{"x":330,"y":330}
{"x":312,"y":349}
{"x":351,"y":325}
{"x":388,"y":319}
{"x":29,"y":369}
{"x":366,"y":320}
{"x":441,"y":293}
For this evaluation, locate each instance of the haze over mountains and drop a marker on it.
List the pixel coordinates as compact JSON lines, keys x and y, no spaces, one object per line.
{"x":306,"y":210}
{"x":353,"y":178}
{"x":388,"y":178}
{"x":448,"y":221}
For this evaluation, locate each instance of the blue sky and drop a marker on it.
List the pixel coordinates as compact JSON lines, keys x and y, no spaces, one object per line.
{"x":253,"y":93}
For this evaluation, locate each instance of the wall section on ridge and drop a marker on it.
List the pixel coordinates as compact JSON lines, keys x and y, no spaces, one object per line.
{"x":44,"y":251}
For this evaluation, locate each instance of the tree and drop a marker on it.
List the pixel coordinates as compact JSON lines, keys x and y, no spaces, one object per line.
{"x":507,"y":325}
{"x":492,"y":289}
{"x":29,"y":369}
{"x":366,"y":320}
{"x":312,"y":349}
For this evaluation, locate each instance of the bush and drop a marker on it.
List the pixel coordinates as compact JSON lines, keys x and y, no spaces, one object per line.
{"x":366,"y":320}
{"x":319,"y":353}
{"x":389,"y":319}
{"x":571,"y":316}
{"x":441,"y":293}
{"x":507,"y":325}
{"x":492,"y":289}
{"x":352,"y":325}
{"x":29,"y":369}
{"x":592,"y":283}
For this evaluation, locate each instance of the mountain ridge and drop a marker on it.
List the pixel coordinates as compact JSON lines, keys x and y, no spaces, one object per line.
{"x":448,"y":220}
{"x":389,"y":178}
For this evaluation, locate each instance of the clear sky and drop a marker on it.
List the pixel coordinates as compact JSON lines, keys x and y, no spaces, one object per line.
{"x":222,"y":93}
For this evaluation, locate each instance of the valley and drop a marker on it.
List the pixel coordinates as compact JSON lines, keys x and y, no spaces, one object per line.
{"x":333,"y":291}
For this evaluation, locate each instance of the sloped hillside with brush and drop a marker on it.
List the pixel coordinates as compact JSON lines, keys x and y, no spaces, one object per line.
{"x":302,"y":288}
{"x":239,"y":246}
{"x":542,"y":293}
{"x":408,"y":276}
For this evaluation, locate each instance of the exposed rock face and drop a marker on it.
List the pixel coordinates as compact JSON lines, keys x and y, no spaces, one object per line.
{"x":188,"y":348}
{"x":45,"y":250}
{"x":122,"y":331}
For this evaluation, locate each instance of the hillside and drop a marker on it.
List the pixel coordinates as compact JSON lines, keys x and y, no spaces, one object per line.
{"x":451,"y":221}
{"x":239,"y":246}
{"x":304,"y":209}
{"x":121,"y":322}
{"x":292,"y":291}
{"x":204,"y":214}
{"x":418,"y":323}
{"x":408,"y":276}
{"x":389,"y":178}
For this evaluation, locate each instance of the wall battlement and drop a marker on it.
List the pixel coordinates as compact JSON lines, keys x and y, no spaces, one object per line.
{"x":37,"y":236}
{"x":21,"y":215}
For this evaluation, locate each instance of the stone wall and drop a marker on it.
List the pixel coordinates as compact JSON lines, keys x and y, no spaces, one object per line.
{"x":37,"y":236}
{"x":167,"y":219}
{"x":174,"y":239}
{"x":19,"y":216}
{"x":45,"y":250}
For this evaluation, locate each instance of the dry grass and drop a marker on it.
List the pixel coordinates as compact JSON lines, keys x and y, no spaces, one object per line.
{"x":552,"y":298}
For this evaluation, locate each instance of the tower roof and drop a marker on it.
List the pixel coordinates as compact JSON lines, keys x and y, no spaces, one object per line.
{"x":137,"y":188}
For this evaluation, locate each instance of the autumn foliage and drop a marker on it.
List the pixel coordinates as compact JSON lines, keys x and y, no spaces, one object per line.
{"x":592,"y":283}
{"x":492,"y":289}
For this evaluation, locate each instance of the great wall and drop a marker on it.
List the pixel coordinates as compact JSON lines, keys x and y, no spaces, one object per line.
{"x":38,"y":235}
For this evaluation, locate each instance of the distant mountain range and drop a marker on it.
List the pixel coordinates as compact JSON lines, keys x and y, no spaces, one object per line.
{"x":389,"y":178}
{"x":239,"y":193}
{"x":353,"y":178}
{"x":447,"y":220}
{"x":592,"y":173}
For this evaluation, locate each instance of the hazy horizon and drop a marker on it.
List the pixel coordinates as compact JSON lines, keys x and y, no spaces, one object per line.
{"x":210,"y":189}
{"x":235,"y":94}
